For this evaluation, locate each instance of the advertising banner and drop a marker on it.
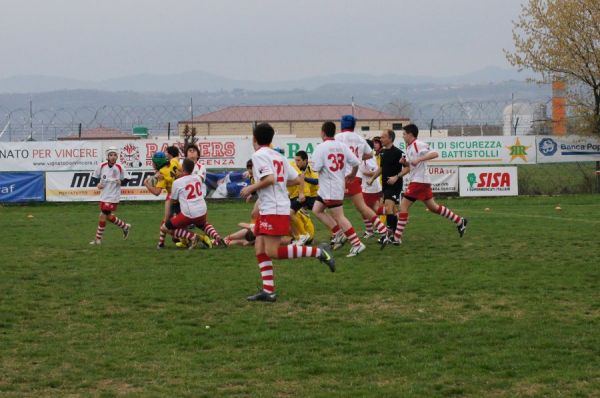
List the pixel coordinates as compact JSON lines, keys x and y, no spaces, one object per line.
{"x":443,"y":179}
{"x":50,"y":155}
{"x":490,"y":150}
{"x":488,"y":181}
{"x":232,"y":153}
{"x":567,"y":149}
{"x":21,"y":187}
{"x":77,"y":186}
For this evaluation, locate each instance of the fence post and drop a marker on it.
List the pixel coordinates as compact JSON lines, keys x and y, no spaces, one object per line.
{"x":169,"y":131}
{"x":79,"y":130}
{"x":597,"y":177}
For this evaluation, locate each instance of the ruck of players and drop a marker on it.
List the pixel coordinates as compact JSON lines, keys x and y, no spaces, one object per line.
{"x":286,"y":195}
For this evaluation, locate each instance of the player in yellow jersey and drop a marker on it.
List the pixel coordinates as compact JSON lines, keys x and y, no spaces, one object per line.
{"x":302,"y":198}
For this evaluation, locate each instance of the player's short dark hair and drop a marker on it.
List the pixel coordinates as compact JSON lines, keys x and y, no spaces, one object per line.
{"x":391,"y":134}
{"x":329,"y":129}
{"x":411,"y":129}
{"x":302,"y":155}
{"x":173,"y":151}
{"x":263,"y":133}
{"x":249,"y":164}
{"x":191,"y":146}
{"x":188,"y":165}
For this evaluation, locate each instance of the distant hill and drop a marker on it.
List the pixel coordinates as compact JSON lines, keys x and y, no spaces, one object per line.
{"x":208,"y":82}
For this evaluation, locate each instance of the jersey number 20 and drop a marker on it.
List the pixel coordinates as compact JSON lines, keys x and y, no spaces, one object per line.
{"x":194,"y":190}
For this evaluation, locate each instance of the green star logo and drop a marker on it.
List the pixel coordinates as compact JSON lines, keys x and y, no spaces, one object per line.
{"x":471,"y":179}
{"x":518,"y":151}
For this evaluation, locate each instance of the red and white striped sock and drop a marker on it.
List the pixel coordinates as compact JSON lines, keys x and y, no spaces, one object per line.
{"x":266,"y":272}
{"x":368,"y":225}
{"x":161,"y":236}
{"x":183,"y":233}
{"x":117,"y":221}
{"x":402,"y":221}
{"x":211,"y":231}
{"x":446,"y":212}
{"x":335,"y":230}
{"x":381,"y":228}
{"x":100,"y":229}
{"x":352,"y":237}
{"x":293,"y":251}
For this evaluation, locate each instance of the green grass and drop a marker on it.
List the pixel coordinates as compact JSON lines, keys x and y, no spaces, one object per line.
{"x":512,"y":309}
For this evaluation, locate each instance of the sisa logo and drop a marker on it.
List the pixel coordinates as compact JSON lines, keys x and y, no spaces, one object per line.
{"x":130,"y":156}
{"x":493,"y":180}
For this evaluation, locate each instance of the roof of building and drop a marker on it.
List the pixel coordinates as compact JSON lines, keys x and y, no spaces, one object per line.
{"x":289,"y":113}
{"x":100,"y":133}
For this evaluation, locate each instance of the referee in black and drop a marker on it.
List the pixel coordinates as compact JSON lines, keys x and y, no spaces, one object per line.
{"x":390,"y":169}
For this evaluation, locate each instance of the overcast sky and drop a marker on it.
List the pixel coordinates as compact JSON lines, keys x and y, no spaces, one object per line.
{"x":252,"y":39}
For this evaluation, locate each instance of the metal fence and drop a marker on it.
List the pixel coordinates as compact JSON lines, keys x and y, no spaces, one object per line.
{"x":33,"y":123}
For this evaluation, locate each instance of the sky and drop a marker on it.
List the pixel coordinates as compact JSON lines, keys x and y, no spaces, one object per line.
{"x":265,"y":40}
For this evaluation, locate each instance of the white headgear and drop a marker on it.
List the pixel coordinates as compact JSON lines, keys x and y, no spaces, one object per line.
{"x":111,"y":149}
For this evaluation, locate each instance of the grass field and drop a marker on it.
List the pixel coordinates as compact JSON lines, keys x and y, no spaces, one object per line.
{"x":512,"y":309}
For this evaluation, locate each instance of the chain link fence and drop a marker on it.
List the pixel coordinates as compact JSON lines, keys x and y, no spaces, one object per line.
{"x":461,"y":118}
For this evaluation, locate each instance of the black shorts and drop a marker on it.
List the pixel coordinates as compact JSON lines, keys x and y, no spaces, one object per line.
{"x":308,"y":203}
{"x":392,"y":192}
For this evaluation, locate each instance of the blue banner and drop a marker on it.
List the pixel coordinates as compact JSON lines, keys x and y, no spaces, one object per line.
{"x":22,"y":187}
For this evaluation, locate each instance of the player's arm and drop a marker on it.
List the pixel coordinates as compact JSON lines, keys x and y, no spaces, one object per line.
{"x":425,"y":157}
{"x":374,"y":175}
{"x":367,"y":151}
{"x":264,"y":182}
{"x":155,"y":190}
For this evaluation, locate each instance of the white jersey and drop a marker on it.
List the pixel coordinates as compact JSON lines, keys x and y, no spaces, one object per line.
{"x":200,"y":171}
{"x":110,"y":177}
{"x":357,"y":144}
{"x":330,"y":160}
{"x":188,"y":191}
{"x":420,"y":172}
{"x":274,"y":198}
{"x":371,"y":166}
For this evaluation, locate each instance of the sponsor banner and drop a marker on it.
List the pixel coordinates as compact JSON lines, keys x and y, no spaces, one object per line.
{"x":232,"y":153}
{"x":21,"y":187}
{"x":488,"y":181}
{"x":50,"y":155}
{"x":77,"y":186}
{"x":443,"y":178}
{"x":459,"y":151}
{"x":567,"y":149}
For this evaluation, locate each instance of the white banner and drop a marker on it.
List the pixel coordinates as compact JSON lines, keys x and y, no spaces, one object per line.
{"x":567,"y":149}
{"x":490,"y":150}
{"x":50,"y":155}
{"x":443,"y":179}
{"x":75,"y":186}
{"x":488,"y":181}
{"x":232,"y":153}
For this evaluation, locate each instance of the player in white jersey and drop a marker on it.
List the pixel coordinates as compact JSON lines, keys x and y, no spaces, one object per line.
{"x":419,"y":187}
{"x":110,"y":174}
{"x":331,"y":159}
{"x":372,"y":193}
{"x":272,"y":173}
{"x":187,"y":190}
{"x":192,"y":152}
{"x":358,"y":145}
